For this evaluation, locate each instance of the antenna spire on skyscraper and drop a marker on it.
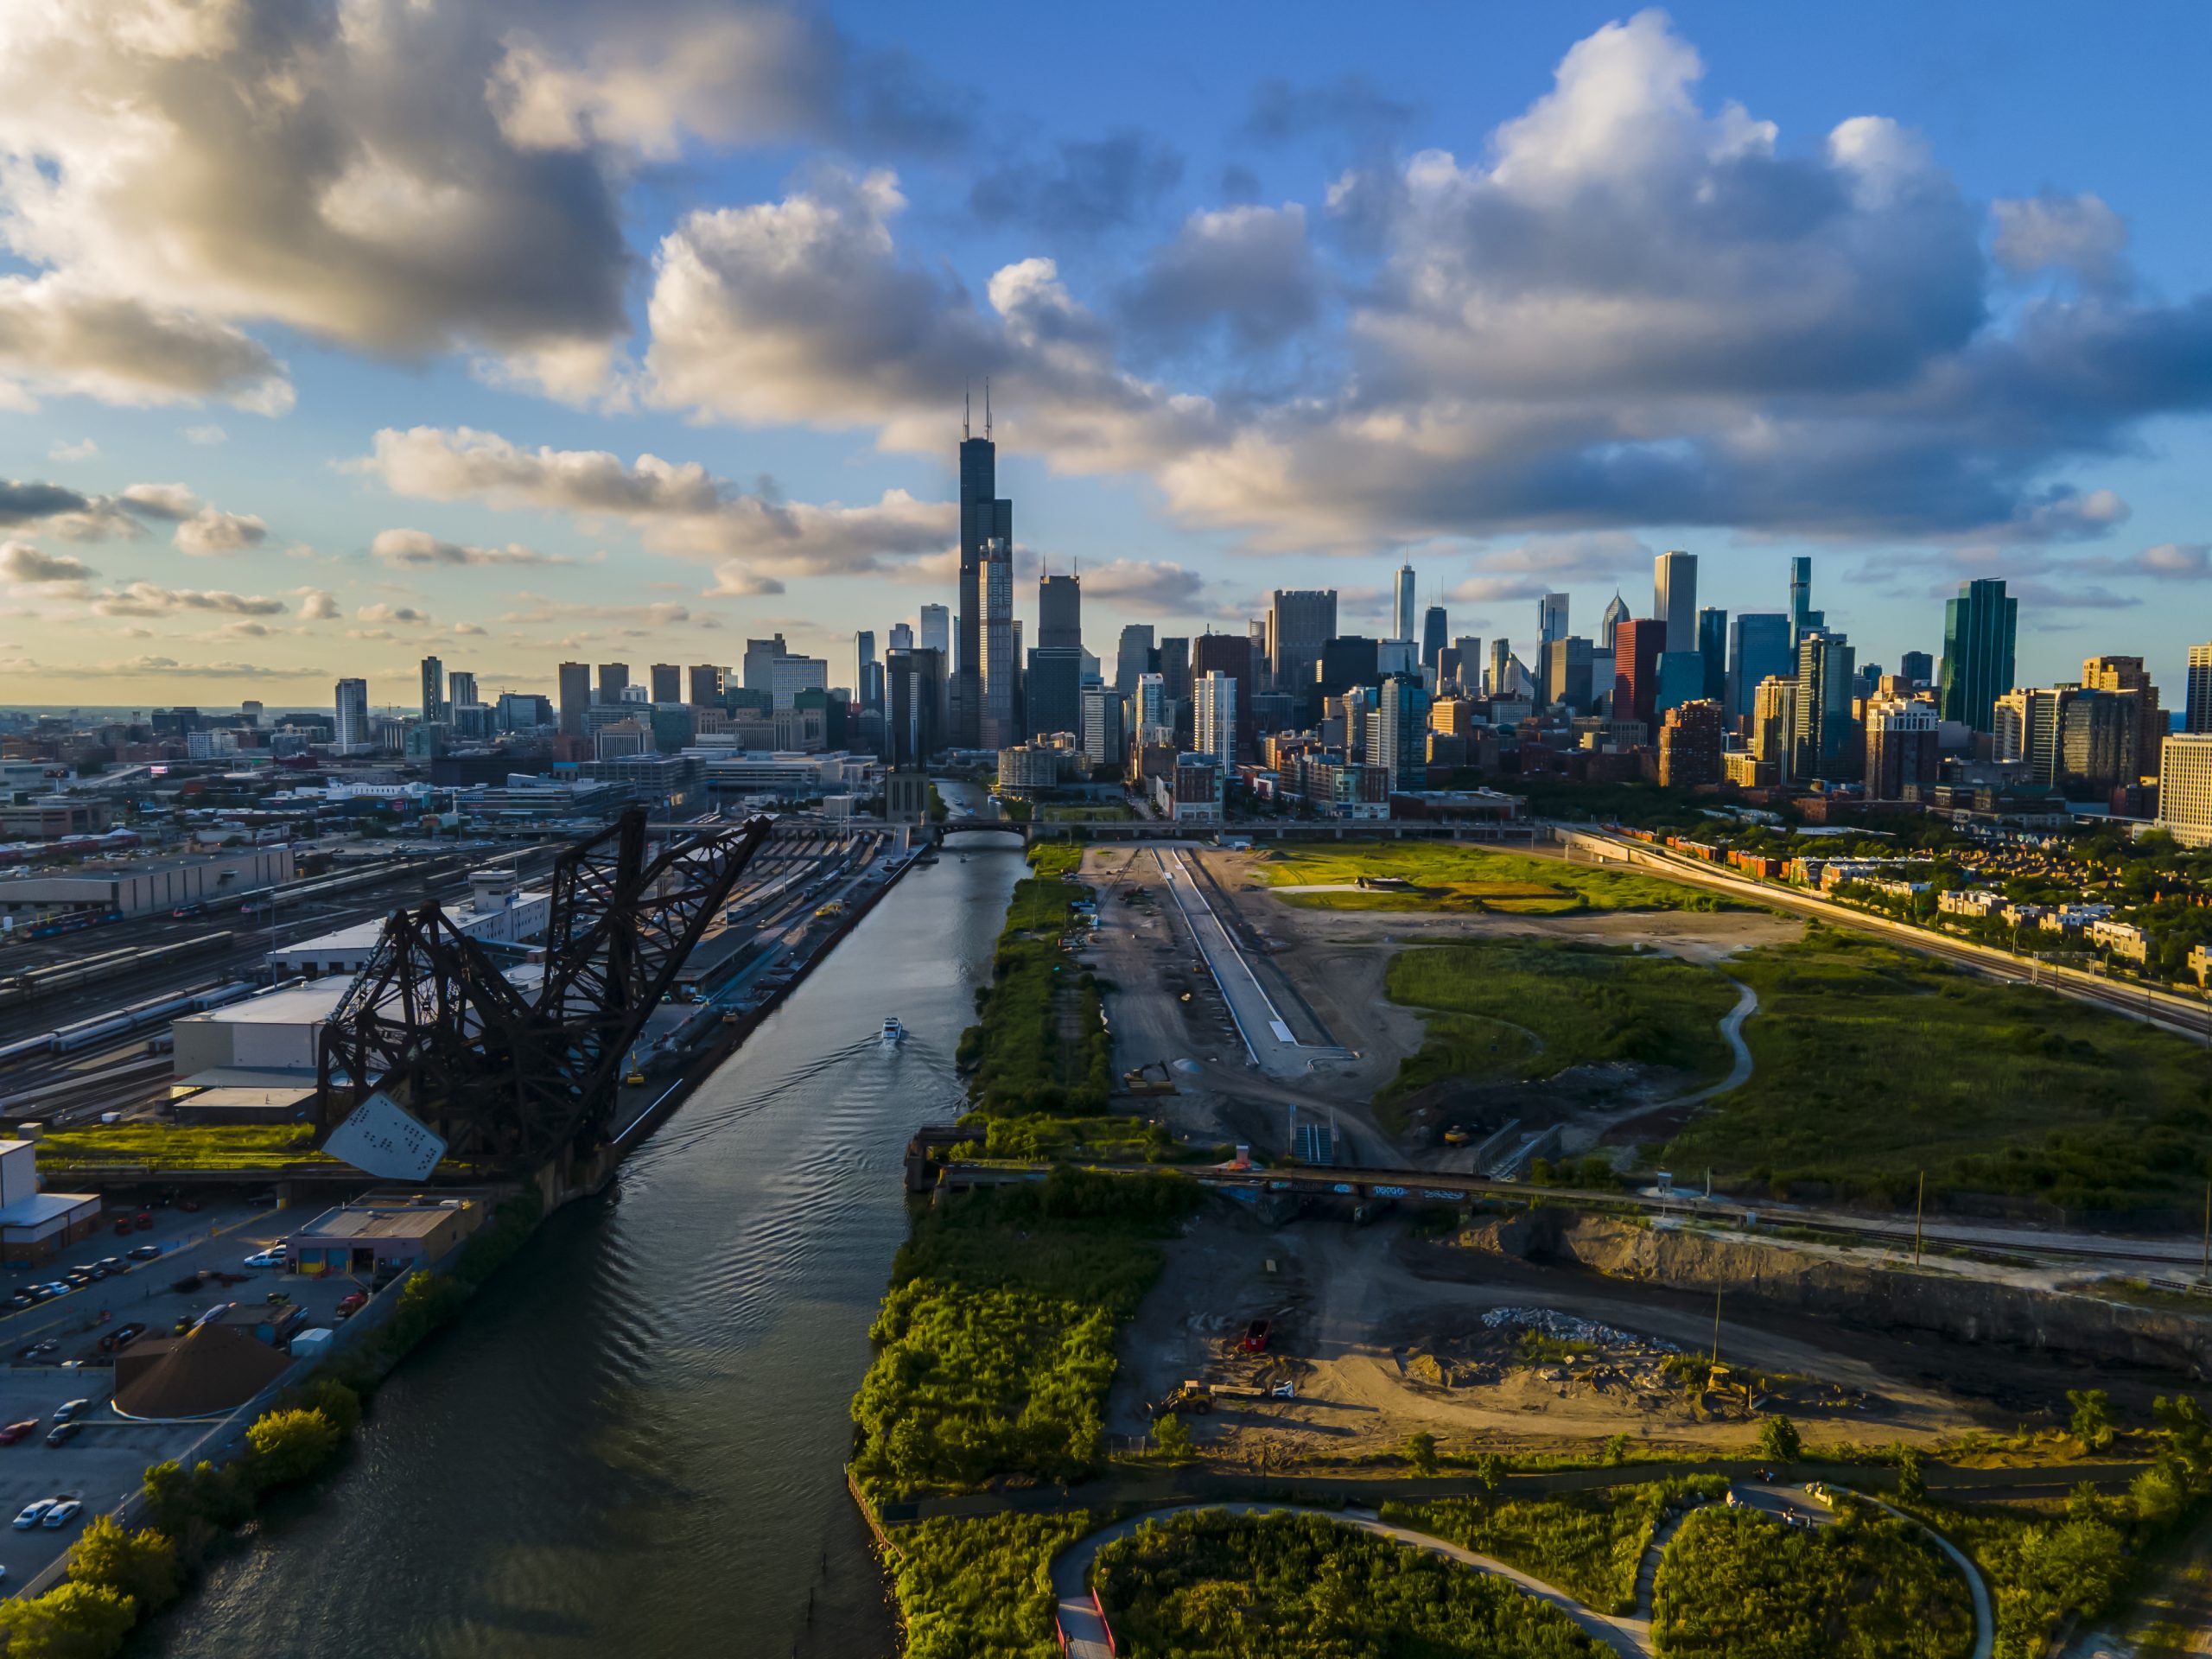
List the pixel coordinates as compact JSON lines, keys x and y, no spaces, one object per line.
{"x":987,"y":405}
{"x":966,"y":410}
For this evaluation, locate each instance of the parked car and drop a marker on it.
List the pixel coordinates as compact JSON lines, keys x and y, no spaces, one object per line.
{"x":113,"y":1264}
{"x":1256,"y":1335}
{"x":16,"y":1432}
{"x":61,"y":1514}
{"x":32,"y":1513}
{"x":125,"y":1335}
{"x":145,"y":1252}
{"x":62,"y":1434}
{"x":21,"y":1299}
{"x":273,"y":1257}
{"x":353,"y":1301}
{"x":69,"y":1409}
{"x":32,"y":1351}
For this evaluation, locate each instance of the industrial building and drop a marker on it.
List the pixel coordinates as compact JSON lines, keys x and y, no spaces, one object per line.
{"x":489,"y":918}
{"x":146,"y":886}
{"x":382,"y":1233}
{"x":33,"y":1225}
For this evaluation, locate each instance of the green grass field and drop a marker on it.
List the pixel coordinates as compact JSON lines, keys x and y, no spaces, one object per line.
{"x":191,"y":1146}
{"x":1457,"y":876}
{"x":1872,"y":1064}
{"x":1525,"y":1009}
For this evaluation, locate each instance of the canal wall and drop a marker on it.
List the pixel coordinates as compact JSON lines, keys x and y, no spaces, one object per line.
{"x":1882,"y":1296}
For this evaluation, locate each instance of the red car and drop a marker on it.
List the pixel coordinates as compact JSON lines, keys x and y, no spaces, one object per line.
{"x":353,"y":1300}
{"x":16,"y":1432}
{"x":1256,"y":1335}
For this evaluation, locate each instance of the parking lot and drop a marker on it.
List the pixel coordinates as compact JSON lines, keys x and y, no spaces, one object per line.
{"x":109,"y":1456}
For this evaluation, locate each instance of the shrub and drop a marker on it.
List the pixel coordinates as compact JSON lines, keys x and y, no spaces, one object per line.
{"x":1779,"y":1440}
{"x":141,"y":1565}
{"x":289,"y":1445}
{"x":72,"y":1621}
{"x":1420,"y":1452}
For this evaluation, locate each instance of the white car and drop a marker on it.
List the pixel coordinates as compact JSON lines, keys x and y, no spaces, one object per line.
{"x":273,"y":1257}
{"x":62,"y":1513}
{"x":32,"y":1513}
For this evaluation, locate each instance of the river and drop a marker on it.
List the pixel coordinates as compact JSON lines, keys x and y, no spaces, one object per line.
{"x":632,"y":1441}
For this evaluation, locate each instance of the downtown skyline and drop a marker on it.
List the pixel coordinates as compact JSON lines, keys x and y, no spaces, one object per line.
{"x":1342,"y":322}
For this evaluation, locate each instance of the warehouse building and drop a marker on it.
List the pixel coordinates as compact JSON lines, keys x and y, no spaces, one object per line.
{"x":147,"y":886}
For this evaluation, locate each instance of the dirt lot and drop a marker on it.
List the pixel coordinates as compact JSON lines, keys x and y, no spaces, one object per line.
{"x":1382,"y":1334}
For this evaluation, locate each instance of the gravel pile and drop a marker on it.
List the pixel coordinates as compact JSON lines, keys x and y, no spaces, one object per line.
{"x":1568,"y":1327}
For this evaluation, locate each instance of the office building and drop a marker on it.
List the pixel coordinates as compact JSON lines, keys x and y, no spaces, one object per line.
{"x":1901,"y":749}
{"x":1803,"y":619}
{"x":613,"y":682}
{"x":1001,"y":676}
{"x":434,"y":690}
{"x":1400,"y":727}
{"x":1690,"y":742}
{"x":1674,"y":596}
{"x":1501,"y":658}
{"x":575,"y":697}
{"x":1060,"y":612}
{"x":789,"y":676}
{"x":1054,"y":698}
{"x":868,"y":673}
{"x":1978,"y":629}
{"x":2185,"y":788}
{"x":1403,"y":621}
{"x":1465,"y":654}
{"x":1132,"y":656}
{"x":1919,"y":668}
{"x":1567,"y":676}
{"x":916,"y":719}
{"x":1434,"y":627}
{"x":2196,"y":704}
{"x":708,"y":684}
{"x":1172,"y":662}
{"x":1826,"y":668}
{"x":666,"y":682}
{"x":351,"y":729}
{"x":1758,"y":649}
{"x":936,"y":623}
{"x":1213,"y":696}
{"x":1713,"y":646}
{"x":1636,"y":650}
{"x":1300,"y":621}
{"x":901,"y":637}
{"x":1681,"y":679}
{"x":986,"y":524}
{"x":1774,"y":726}
{"x":760,"y":661}
{"x":1153,"y":723}
{"x":1230,"y":654}
{"x":1101,"y":727}
{"x":2127,"y":676}
{"x":1551,"y":619}
{"x":1616,"y":614}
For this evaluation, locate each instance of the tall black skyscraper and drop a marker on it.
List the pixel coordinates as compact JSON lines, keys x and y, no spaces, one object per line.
{"x":1055,"y":663}
{"x":984,"y":517}
{"x":1434,"y":628}
{"x":1979,"y":626}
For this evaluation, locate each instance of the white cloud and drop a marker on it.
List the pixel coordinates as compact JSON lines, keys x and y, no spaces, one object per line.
{"x":406,"y":548}
{"x":2078,"y":233}
{"x":317,"y":604}
{"x":403,"y":615}
{"x":59,"y":335}
{"x":151,"y":599}
{"x":84,"y":449}
{"x":21,"y":562}
{"x":210,"y":531}
{"x":207,"y":434}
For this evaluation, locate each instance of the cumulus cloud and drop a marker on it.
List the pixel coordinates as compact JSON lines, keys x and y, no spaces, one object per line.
{"x":1145,"y":587}
{"x":2177,"y":560}
{"x":27,"y":503}
{"x":1086,"y":187}
{"x":677,"y":508}
{"x":1282,"y":112}
{"x":403,"y":615}
{"x":210,"y":531}
{"x":403,"y":549}
{"x":21,"y":562}
{"x":151,"y":599}
{"x":82,"y":450}
{"x":2076,"y":233}
{"x":1251,"y":268}
{"x":57,"y":335}
{"x":317,"y":604}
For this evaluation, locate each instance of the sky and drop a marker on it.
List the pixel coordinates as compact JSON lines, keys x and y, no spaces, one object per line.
{"x":333,"y":335}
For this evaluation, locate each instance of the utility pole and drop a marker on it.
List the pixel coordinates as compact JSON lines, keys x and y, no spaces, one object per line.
{"x":2207,"y":1274}
{"x":1716,"y":1330}
{"x":1919,"y":1210}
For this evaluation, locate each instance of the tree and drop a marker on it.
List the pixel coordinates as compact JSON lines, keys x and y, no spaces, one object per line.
{"x":1779,"y":1441}
{"x":1912,"y":1481}
{"x":2183,"y":1422}
{"x":72,"y":1621}
{"x":291,"y":1445}
{"x":1172,"y":1437}
{"x":1615,"y":1452}
{"x":1489,"y":1469}
{"x":141,"y":1565}
{"x":333,"y":1398}
{"x":2093,"y":1422}
{"x":1420,"y":1452}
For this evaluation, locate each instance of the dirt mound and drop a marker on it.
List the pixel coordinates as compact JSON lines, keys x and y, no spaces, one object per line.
{"x":201,"y":1374}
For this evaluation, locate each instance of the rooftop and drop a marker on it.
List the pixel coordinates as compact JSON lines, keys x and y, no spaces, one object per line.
{"x":378,"y":1221}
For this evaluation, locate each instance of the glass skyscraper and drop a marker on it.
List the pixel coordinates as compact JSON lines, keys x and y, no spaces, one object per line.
{"x":1979,"y":627}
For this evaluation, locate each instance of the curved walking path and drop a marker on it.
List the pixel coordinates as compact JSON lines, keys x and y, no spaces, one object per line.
{"x":1731,"y":1029}
{"x":1084,"y":1628}
{"x":1085,"y":1631}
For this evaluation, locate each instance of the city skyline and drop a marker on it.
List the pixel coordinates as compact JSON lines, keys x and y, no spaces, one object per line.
{"x":243,"y":486}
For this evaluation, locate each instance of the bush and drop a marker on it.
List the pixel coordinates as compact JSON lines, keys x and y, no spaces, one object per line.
{"x":2092,"y":1422}
{"x":983,"y":1589}
{"x":289,"y":1445}
{"x":1779,"y":1440}
{"x":1420,"y":1452}
{"x":335,"y":1399}
{"x":1171,"y":1439}
{"x":72,"y":1621}
{"x":141,"y":1565}
{"x":191,"y":1505}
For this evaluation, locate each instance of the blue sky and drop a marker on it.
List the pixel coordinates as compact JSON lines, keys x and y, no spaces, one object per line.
{"x":332,"y":336}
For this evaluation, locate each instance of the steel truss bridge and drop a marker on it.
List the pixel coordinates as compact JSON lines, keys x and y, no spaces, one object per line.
{"x":513,"y":1076}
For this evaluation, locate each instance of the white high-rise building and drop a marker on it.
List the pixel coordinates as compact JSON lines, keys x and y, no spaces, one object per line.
{"x":1213,"y":716}
{"x":1673,"y":581}
{"x":1153,"y":724}
{"x":351,"y":729}
{"x":1406,"y":619}
{"x":2185,"y":788}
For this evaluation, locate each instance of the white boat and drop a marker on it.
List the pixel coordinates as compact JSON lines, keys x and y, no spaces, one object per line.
{"x":893,"y":1031}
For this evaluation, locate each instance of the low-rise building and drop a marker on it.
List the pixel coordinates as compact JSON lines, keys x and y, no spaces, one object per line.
{"x":2123,"y":940}
{"x":146,"y":886}
{"x":35,"y":1226}
{"x":382,"y":1233}
{"x":2200,"y":963}
{"x":1192,"y":793}
{"x":2072,"y":918}
{"x":1969,"y":901}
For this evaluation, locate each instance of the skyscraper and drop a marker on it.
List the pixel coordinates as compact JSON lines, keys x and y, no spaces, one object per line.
{"x":1978,"y":629}
{"x":351,"y":729}
{"x":1636,"y":650}
{"x":2127,"y":676}
{"x":1101,"y":727}
{"x":1674,"y":584}
{"x":1230,"y":654}
{"x":1153,"y":724}
{"x":1059,"y":611}
{"x":1758,"y":649}
{"x":2197,"y":708}
{"x":667,"y":682}
{"x":986,"y":519}
{"x":1826,"y":668}
{"x":460,"y":690}
{"x":1214,"y":716}
{"x":1616,"y":614}
{"x":1901,"y":753}
{"x":1713,"y":646}
{"x":1403,"y":615}
{"x":575,"y":698}
{"x":434,"y":689}
{"x":1566,"y":679}
{"x":1299,"y":622}
{"x":1001,"y":672}
{"x":936,"y":632}
{"x":1551,"y":619}
{"x":915,"y":714}
{"x":863,"y":660}
{"x":901,"y":637}
{"x":1400,"y":731}
{"x":1802,"y":617}
{"x":708,"y":683}
{"x":1056,"y":663}
{"x":1433,"y":628}
{"x":615,"y":680}
{"x":1918,"y":667}
{"x":1132,"y":657}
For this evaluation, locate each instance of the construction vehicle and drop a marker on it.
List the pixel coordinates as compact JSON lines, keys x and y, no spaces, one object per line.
{"x":1192,"y":1397}
{"x":1142,"y":1082}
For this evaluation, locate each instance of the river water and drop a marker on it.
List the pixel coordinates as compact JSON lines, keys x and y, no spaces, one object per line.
{"x":631,"y":1442}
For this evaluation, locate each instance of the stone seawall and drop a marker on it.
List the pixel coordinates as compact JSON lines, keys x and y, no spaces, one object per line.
{"x":1884,"y":1296}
